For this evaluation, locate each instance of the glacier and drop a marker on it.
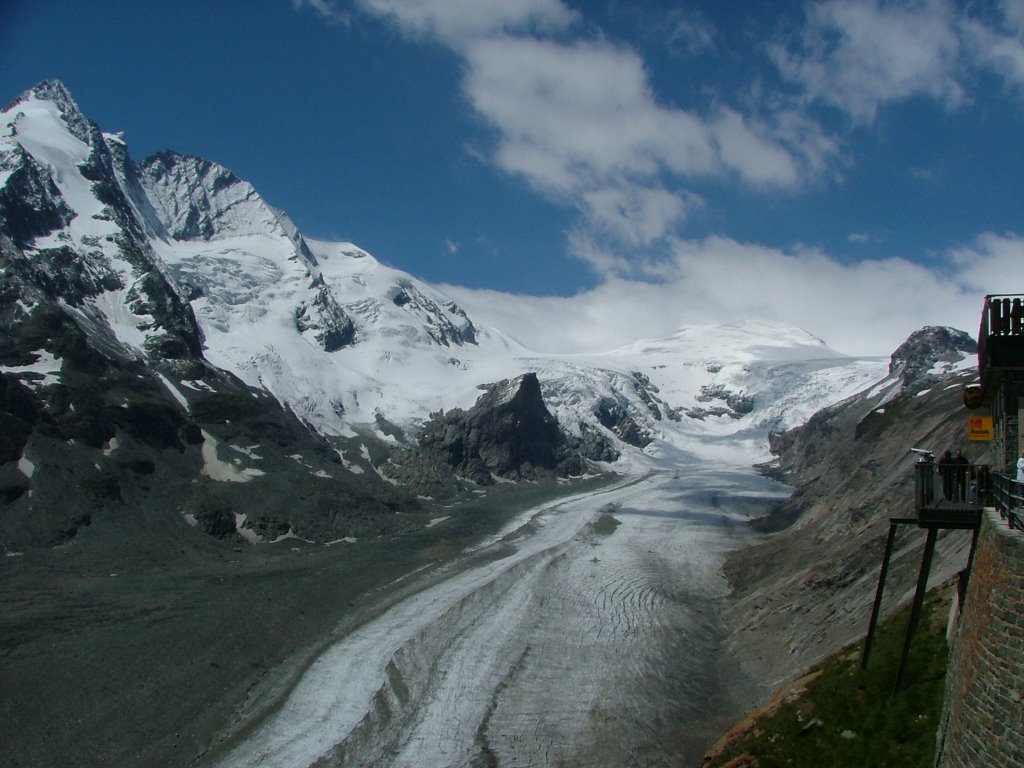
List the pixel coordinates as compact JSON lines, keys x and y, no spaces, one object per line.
{"x":572,"y":637}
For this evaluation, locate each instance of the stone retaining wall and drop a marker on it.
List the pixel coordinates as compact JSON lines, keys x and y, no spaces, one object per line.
{"x":982,"y":721}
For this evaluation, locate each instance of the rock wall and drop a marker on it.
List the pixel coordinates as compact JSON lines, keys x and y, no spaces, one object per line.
{"x":806,"y":590}
{"x":983,"y":713}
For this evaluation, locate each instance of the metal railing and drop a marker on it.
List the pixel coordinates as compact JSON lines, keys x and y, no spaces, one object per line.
{"x":938,"y":483}
{"x":1008,"y":497}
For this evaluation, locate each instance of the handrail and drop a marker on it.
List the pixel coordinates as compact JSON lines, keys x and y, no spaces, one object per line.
{"x":1008,"y":498}
{"x":938,"y":482}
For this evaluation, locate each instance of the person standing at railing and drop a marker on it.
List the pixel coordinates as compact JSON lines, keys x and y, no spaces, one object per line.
{"x":960,"y":467}
{"x":946,"y":473}
{"x":1020,"y":473}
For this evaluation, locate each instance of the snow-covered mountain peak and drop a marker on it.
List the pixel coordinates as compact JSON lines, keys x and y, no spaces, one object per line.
{"x":39,"y":127}
{"x":55,"y":96}
{"x":342,"y":339}
{"x":394,"y":301}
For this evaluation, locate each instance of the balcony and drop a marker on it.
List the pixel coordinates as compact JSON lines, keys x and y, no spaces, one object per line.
{"x":949,"y":496}
{"x":957,"y":499}
{"x":1001,"y":336}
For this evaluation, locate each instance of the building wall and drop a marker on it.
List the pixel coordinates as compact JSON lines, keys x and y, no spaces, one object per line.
{"x":982,"y":721}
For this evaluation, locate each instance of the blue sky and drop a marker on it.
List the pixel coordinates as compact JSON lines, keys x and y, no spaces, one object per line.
{"x":850,"y":166}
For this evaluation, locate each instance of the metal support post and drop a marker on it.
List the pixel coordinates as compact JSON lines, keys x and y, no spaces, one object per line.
{"x":893,"y":524}
{"x":915,"y":611}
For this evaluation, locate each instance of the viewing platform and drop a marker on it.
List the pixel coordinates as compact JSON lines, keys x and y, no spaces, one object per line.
{"x":949,"y":495}
{"x":962,"y":506}
{"x":1008,"y":499}
{"x":945,"y":513}
{"x":1000,"y":337}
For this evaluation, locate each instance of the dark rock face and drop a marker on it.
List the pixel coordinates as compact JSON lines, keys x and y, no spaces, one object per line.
{"x":329,"y":324}
{"x":736,"y":405}
{"x":18,"y":415}
{"x":217,"y":521}
{"x":917,"y":358}
{"x":109,"y":436}
{"x":30,"y":204}
{"x":615,"y":417}
{"x":648,"y":394}
{"x":508,"y":433}
{"x":924,"y":359}
{"x":443,"y":329}
{"x":593,"y":445}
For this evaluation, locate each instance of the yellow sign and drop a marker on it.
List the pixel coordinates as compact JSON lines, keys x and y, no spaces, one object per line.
{"x":979,"y":428}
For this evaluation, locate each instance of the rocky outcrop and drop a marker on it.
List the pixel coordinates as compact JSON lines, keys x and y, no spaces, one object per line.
{"x":30,"y":203}
{"x":325,"y":320}
{"x":508,"y":433}
{"x":737,"y":404}
{"x":446,"y":325}
{"x":613,"y":414}
{"x":930,"y":353}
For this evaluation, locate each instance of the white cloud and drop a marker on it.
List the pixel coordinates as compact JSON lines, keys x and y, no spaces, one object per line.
{"x":585,"y":107}
{"x":326,"y":8}
{"x":458,"y":22}
{"x":601,"y":259}
{"x":578,"y":120}
{"x":752,"y":153}
{"x":992,"y":264}
{"x":1001,"y":50}
{"x":1013,"y":16}
{"x":859,"y":55}
{"x":580,"y":123}
{"x":863,"y":308}
{"x":633,"y":214}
